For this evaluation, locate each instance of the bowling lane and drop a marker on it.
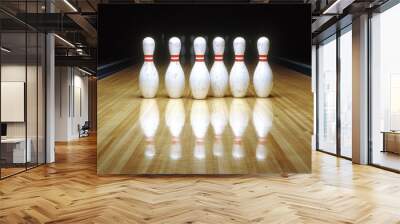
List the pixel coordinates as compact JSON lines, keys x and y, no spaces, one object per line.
{"x":213,"y":136}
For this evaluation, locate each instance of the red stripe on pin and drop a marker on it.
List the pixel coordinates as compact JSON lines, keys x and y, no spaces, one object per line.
{"x":175,"y":57}
{"x":218,"y":57}
{"x":263,"y":57}
{"x":199,"y":58}
{"x":148,"y":58}
{"x":239,"y":57}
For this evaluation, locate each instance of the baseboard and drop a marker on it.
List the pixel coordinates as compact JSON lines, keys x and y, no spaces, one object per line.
{"x":111,"y":68}
{"x":294,"y":65}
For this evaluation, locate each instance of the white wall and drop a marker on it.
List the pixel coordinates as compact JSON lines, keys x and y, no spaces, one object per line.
{"x":71,"y":102}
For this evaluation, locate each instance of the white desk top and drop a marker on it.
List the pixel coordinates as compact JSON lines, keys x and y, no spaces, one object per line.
{"x":13,"y":140}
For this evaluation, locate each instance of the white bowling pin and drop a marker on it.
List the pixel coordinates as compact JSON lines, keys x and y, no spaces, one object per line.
{"x":263,"y":78}
{"x":175,"y":117}
{"x":239,"y":77}
{"x":199,"y":76}
{"x":148,"y":76}
{"x":149,"y":118}
{"x":218,"y":73}
{"x":174,"y":76}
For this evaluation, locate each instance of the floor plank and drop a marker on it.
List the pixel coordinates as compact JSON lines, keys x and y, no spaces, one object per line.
{"x":70,"y":191}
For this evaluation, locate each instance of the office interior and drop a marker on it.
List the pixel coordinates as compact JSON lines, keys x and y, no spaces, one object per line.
{"x":49,"y":82}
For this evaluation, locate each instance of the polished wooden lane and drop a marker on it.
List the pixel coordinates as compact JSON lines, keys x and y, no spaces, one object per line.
{"x":214,"y":136}
{"x":70,"y":191}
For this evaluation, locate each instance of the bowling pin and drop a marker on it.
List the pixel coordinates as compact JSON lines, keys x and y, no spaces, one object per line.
{"x":174,"y":76}
{"x":148,"y":76}
{"x":199,"y":76}
{"x":263,"y":78}
{"x":239,"y":77}
{"x":218,"y":73}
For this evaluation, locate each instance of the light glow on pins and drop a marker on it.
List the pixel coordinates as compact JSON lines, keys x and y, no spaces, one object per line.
{"x":174,"y":76}
{"x":238,"y":120}
{"x":218,"y":73}
{"x":239,"y":76}
{"x":149,"y":120}
{"x":263,"y":77}
{"x":148,"y":76}
{"x":199,"y":76}
{"x":199,"y":120}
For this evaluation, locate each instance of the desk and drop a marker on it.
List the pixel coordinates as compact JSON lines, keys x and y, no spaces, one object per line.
{"x":391,"y":141}
{"x":16,"y":147}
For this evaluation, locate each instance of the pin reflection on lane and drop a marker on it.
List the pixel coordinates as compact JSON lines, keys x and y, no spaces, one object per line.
{"x":238,"y":120}
{"x":175,"y":120}
{"x":262,"y":121}
{"x":219,"y":119}
{"x":199,"y":120}
{"x":149,"y":119}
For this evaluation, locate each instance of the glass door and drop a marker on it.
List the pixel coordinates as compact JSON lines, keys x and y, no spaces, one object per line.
{"x":326,"y":94}
{"x":345,"y":92}
{"x":385,"y":89}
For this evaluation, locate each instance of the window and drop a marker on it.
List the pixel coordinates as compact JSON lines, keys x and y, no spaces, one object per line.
{"x":346,"y":92}
{"x":326,"y":94}
{"x":385,"y":89}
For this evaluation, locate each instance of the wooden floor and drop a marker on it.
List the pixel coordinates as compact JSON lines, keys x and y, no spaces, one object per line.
{"x":214,"y":136}
{"x":70,"y":191}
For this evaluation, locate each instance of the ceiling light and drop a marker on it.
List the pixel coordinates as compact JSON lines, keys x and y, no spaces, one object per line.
{"x":84,"y":71}
{"x":338,"y":6}
{"x":5,"y":50}
{"x":70,"y":5}
{"x":65,"y":41}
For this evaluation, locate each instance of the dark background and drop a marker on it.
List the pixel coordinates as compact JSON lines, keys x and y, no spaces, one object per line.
{"x":122,"y":28}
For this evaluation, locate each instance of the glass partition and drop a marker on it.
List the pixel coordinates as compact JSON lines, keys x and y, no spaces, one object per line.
{"x":385,"y":89}
{"x":13,"y":95}
{"x":326,"y":105}
{"x":22,"y":77}
{"x":346,"y":92}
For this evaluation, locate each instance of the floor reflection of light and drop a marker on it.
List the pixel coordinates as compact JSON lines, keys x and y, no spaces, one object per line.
{"x":175,"y":152}
{"x":219,"y":116}
{"x":262,"y":117}
{"x":218,"y":147}
{"x":237,"y":149}
{"x":175,"y":117}
{"x":199,"y":150}
{"x":238,"y":120}
{"x":199,"y":118}
{"x":261,"y":151}
{"x":239,"y":117}
{"x":150,"y":149}
{"x":149,"y":118}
